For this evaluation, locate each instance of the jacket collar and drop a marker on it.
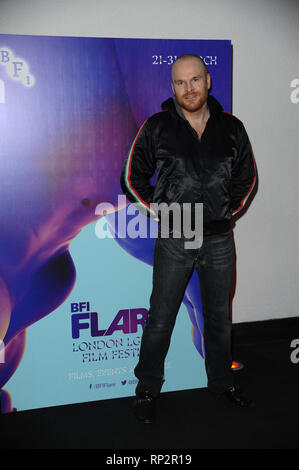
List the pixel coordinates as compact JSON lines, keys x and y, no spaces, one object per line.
{"x":174,"y":108}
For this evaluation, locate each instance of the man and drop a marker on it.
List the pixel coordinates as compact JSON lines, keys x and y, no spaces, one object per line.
{"x":201,"y":154}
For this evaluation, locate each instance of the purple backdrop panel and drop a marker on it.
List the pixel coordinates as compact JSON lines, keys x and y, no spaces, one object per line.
{"x":69,"y":111}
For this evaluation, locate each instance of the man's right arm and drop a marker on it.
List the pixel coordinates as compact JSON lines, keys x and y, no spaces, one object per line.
{"x":138,"y":169}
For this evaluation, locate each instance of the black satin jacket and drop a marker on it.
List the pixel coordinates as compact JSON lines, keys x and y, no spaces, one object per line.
{"x":218,"y":169}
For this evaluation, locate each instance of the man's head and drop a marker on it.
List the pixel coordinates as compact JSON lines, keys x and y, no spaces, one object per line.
{"x":190,"y":82}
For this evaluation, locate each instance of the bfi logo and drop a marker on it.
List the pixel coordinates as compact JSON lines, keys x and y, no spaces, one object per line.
{"x":16,"y":68}
{"x":126,"y":320}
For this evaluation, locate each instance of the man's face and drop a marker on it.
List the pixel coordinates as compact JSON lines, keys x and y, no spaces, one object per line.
{"x":190,"y":84}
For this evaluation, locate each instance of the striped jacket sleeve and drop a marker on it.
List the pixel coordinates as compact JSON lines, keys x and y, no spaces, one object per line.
{"x":138,"y":169}
{"x":244,"y":173}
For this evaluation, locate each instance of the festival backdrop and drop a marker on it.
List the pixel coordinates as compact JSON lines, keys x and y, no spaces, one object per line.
{"x":74,"y":292}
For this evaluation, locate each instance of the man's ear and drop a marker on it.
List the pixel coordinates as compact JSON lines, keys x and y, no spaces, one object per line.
{"x":209,"y":81}
{"x":172,"y":87}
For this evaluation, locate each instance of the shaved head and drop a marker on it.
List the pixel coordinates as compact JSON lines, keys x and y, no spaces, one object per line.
{"x":185,"y":57}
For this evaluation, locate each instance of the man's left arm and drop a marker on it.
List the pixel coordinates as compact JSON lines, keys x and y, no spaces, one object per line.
{"x":244,"y":173}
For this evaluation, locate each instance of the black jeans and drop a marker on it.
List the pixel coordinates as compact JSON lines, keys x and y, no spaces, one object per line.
{"x":172,"y":269}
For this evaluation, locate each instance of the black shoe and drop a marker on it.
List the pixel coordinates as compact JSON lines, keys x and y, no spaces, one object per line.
{"x":235,"y":396}
{"x":145,"y":407}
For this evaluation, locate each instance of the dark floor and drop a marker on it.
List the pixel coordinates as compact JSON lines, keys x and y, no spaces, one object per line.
{"x":190,"y":419}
